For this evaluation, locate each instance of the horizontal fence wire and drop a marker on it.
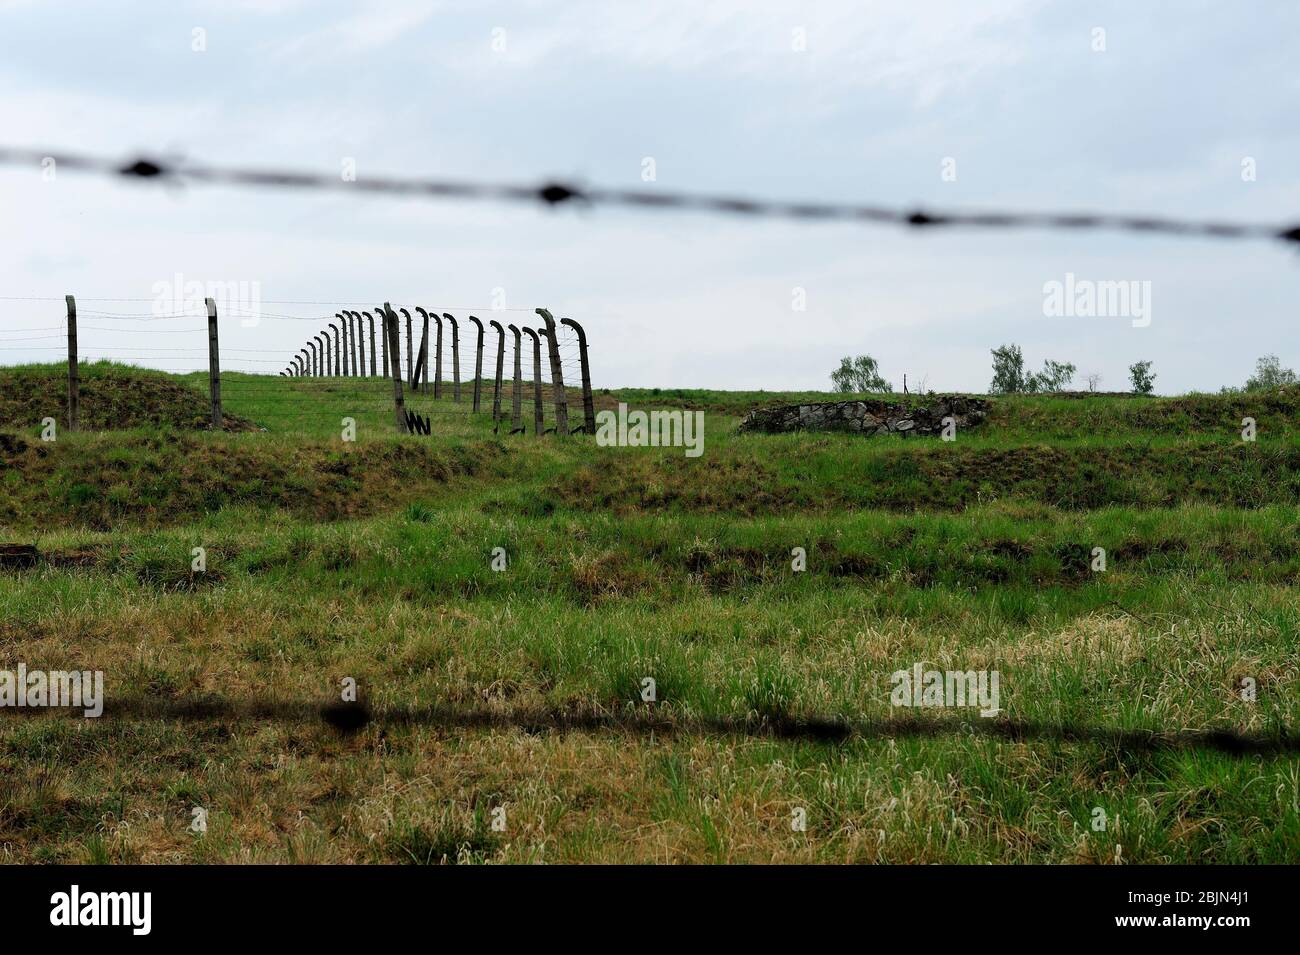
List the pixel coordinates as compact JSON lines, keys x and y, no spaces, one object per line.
{"x":558,"y":193}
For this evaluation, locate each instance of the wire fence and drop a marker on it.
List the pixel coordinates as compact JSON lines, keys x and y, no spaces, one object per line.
{"x":512,"y":366}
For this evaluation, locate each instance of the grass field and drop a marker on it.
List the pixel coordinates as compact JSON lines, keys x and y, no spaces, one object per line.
{"x":1121,"y":690}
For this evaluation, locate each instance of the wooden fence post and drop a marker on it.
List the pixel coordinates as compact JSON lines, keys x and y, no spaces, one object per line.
{"x":517,"y":390}
{"x":588,"y":403}
{"x":539,"y":410}
{"x":478,"y":363}
{"x":558,"y":395}
{"x":394,"y":345}
{"x":501,"y":355}
{"x":74,"y":383}
{"x":455,"y":356}
{"x":214,"y":364}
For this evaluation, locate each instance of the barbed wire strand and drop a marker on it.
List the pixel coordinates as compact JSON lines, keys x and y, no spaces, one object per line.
{"x":558,"y":193}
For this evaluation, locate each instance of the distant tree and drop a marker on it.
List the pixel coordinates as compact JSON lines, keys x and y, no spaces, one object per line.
{"x":1008,"y":371}
{"x":1054,"y":377}
{"x":859,"y":375}
{"x":1093,"y":381}
{"x":1139,"y":373}
{"x":1269,"y":373}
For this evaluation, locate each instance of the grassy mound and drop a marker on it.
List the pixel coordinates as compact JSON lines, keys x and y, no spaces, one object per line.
{"x":501,"y":600}
{"x":113,"y":398}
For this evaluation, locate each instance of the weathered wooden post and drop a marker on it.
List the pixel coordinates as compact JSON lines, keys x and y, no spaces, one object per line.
{"x":437,"y":368}
{"x":588,"y":403}
{"x":455,"y":356}
{"x":391,"y":333}
{"x":539,"y":410}
{"x":517,"y":390}
{"x":214,"y":364}
{"x":501,"y":354}
{"x":557,"y":375}
{"x":478,"y":362}
{"x":74,"y":383}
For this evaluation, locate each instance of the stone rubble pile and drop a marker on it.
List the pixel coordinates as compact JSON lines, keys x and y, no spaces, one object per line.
{"x":869,"y":417}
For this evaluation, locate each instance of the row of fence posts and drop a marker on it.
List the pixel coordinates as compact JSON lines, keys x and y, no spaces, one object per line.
{"x":343,"y":354}
{"x":315,"y":360}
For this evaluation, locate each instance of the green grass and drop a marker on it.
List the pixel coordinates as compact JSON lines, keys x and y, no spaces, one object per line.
{"x":521,"y":690}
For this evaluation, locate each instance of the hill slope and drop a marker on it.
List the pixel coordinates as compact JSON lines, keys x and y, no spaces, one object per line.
{"x":501,"y":601}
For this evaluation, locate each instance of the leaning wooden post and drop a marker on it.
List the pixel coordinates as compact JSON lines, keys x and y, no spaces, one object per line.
{"x":539,"y":411}
{"x":455,"y":356}
{"x":214,"y":364}
{"x":501,"y":354}
{"x":557,"y":375}
{"x":517,"y":390}
{"x":588,"y":404}
{"x":74,"y":383}
{"x":478,"y":362}
{"x":390,"y":327}
{"x":437,"y":365}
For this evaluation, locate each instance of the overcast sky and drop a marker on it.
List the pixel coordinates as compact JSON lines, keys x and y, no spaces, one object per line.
{"x":853,"y":100}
